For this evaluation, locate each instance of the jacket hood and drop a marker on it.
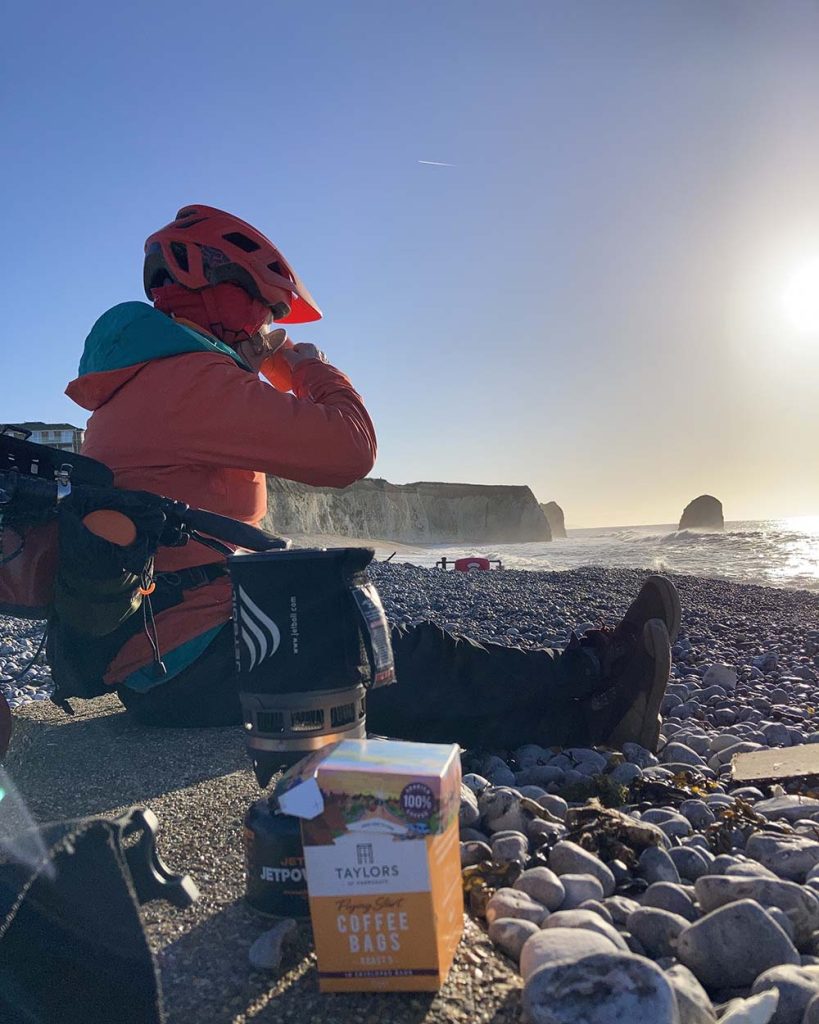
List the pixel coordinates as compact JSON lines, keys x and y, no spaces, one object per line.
{"x":123,"y":340}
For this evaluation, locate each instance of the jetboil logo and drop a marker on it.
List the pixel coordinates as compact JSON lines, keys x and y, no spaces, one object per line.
{"x":260,"y":634}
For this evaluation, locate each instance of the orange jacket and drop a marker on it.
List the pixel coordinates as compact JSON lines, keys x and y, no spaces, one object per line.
{"x":200,"y":427}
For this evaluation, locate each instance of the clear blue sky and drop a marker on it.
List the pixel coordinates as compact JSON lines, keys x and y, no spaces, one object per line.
{"x":588,"y":301}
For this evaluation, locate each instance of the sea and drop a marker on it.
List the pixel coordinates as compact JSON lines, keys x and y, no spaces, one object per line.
{"x":772,"y":553}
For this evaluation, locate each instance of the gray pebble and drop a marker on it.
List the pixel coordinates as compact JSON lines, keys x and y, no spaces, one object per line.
{"x":600,"y":989}
{"x":698,"y":813}
{"x":510,"y":934}
{"x":476,"y":783}
{"x":552,"y":945}
{"x":671,"y":897}
{"x":790,"y":857}
{"x":568,"y":858}
{"x":580,"y":888}
{"x":468,"y":815}
{"x":514,"y":903}
{"x":657,"y":930}
{"x":586,"y":919}
{"x":655,"y":865}
{"x":620,"y":907}
{"x":730,"y":947}
{"x":692,"y":1000}
{"x":542,"y":885}
{"x":267,"y":951}
{"x":689,"y":862}
{"x":474,"y":853}
{"x":797,"y":987}
{"x":799,"y":903}
{"x":597,"y":908}
{"x":510,"y":848}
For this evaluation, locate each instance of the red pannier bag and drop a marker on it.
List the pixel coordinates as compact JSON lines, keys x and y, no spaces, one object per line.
{"x":28,"y":565}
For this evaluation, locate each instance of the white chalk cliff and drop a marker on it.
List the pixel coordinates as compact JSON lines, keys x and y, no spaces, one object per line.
{"x":424,"y":513}
{"x":554,"y":513}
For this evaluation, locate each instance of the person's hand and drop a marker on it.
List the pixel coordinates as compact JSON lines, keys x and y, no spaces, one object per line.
{"x":261,"y":347}
{"x":298,"y":353}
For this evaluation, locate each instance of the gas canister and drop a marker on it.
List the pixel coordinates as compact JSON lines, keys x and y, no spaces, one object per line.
{"x":276,"y":882}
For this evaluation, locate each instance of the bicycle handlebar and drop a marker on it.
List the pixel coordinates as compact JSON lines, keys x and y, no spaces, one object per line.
{"x":42,"y":499}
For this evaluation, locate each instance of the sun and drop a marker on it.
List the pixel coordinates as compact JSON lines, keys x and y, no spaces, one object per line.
{"x":800,"y":299}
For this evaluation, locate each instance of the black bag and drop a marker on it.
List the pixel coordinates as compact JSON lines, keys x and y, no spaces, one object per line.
{"x":99,"y":589}
{"x":28,"y":533}
{"x":72,"y":946}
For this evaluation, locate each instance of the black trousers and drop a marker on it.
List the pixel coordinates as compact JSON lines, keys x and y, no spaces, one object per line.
{"x":449,"y":689}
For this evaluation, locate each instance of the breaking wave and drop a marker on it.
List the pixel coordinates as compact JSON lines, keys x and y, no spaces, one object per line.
{"x":783,"y":553}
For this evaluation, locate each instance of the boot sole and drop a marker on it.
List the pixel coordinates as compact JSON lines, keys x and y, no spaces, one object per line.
{"x":647,"y":733}
{"x":672,"y":612}
{"x":657,"y":640}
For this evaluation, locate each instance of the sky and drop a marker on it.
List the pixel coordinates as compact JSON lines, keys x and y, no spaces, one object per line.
{"x":556,"y":243}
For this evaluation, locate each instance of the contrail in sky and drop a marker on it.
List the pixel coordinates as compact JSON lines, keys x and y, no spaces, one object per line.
{"x":435,"y":163}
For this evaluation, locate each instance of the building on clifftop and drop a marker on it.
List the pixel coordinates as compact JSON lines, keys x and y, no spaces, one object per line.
{"x":56,"y":435}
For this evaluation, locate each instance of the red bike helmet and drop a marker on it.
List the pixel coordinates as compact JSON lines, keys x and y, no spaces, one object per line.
{"x":204,"y":246}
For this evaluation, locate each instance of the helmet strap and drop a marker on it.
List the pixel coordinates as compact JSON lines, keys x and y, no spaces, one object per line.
{"x":225,"y":310}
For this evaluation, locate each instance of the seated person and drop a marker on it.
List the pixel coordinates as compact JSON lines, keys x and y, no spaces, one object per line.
{"x":179,"y":409}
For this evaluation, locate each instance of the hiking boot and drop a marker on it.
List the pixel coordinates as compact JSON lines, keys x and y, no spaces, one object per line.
{"x":635,"y":667}
{"x":658,"y":599}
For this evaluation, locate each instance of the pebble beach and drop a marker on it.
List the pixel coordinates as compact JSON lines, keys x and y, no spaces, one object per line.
{"x":676,"y":896}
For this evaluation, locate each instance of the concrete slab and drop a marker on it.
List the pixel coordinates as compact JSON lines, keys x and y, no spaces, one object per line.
{"x":777,"y":764}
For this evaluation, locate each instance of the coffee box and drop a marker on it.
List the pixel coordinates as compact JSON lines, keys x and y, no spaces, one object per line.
{"x":380,"y":835}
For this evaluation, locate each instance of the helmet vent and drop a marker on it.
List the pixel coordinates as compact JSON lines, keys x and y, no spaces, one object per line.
{"x":180,"y":225}
{"x":180,"y":254}
{"x":276,"y":267}
{"x":241,"y":241}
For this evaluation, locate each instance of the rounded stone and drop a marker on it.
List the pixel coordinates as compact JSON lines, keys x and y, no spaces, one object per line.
{"x":266,"y":952}
{"x":721,"y":675}
{"x":796,"y":985}
{"x":789,"y":857}
{"x":476,"y":783}
{"x":555,"y":805}
{"x":799,"y":903}
{"x":812,"y":1010}
{"x":758,"y":1009}
{"x":510,"y":934}
{"x":732,"y":946}
{"x":657,"y":930}
{"x":543,"y":886}
{"x":655,"y":865}
{"x":600,"y":989}
{"x":689,"y":862}
{"x":698,"y":813}
{"x":513,"y":903}
{"x":692,"y":999}
{"x":469,"y":815}
{"x":568,"y":858}
{"x":501,"y":810}
{"x":474,"y":853}
{"x":671,"y":897}
{"x":580,"y":888}
{"x":597,"y":908}
{"x":553,"y":945}
{"x":620,"y":907}
{"x":586,"y":919}
{"x":679,"y":753}
{"x":510,"y":849}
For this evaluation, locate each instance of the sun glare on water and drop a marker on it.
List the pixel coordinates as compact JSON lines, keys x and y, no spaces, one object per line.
{"x":800,"y":299}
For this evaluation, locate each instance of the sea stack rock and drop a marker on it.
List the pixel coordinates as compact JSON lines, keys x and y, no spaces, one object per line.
{"x":554,"y":513}
{"x":703,"y":513}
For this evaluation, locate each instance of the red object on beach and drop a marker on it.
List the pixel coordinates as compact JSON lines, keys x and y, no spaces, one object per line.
{"x":28,"y":565}
{"x":468,"y":564}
